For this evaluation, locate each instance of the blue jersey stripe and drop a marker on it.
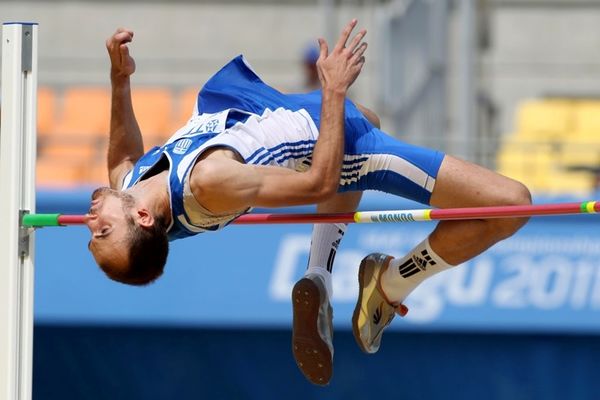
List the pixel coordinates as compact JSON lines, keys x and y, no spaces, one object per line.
{"x":356,"y":160}
{"x":294,"y":155}
{"x":262,"y":157}
{"x":347,"y":170}
{"x":256,"y":153}
{"x":267,"y":161}
{"x":290,"y":148}
{"x":298,"y":143}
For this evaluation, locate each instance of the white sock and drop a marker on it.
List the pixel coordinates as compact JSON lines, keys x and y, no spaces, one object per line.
{"x":405,"y":274}
{"x":323,"y":247}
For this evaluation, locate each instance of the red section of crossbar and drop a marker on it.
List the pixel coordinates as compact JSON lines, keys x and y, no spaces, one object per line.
{"x":509,"y":211}
{"x":252,"y":219}
{"x":71,"y":219}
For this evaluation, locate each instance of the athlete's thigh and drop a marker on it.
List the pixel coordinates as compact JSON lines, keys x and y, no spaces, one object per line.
{"x":463,"y":184}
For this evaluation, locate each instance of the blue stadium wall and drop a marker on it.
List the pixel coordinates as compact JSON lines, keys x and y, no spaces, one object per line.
{"x":519,"y":322}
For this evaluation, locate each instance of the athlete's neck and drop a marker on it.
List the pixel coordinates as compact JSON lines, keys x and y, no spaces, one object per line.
{"x":153,"y":194}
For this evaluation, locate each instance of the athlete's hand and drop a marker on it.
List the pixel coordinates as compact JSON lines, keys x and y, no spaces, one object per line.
{"x":122,"y":65}
{"x":340,"y":68}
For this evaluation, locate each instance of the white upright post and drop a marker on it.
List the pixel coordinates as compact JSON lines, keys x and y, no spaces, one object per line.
{"x":17,"y":188}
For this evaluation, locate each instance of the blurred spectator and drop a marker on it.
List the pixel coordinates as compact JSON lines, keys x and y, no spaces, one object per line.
{"x":310,"y":55}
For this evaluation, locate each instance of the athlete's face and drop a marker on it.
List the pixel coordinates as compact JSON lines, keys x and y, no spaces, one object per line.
{"x":107,"y":220}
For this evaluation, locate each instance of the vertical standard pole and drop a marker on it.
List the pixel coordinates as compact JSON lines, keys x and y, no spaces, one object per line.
{"x":17,"y":186}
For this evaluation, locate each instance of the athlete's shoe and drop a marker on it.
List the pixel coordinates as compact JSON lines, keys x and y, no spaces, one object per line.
{"x":373,"y":311}
{"x":312,"y":329}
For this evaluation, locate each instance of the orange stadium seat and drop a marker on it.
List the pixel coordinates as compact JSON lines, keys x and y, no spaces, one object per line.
{"x":69,"y":149}
{"x":86,"y":111}
{"x":97,"y":174}
{"x":46,"y":110}
{"x":153,"y":111}
{"x":74,"y":142}
{"x":46,"y":116}
{"x":59,"y":173}
{"x":184,"y":107}
{"x":66,"y":161}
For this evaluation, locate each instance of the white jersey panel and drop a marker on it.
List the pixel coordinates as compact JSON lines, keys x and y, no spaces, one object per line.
{"x":281,"y":137}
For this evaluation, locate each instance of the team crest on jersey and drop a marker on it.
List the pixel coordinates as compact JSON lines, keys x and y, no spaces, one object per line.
{"x":182,"y":146}
{"x":211,"y":125}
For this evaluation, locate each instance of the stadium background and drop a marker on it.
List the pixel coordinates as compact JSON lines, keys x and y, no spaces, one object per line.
{"x":511,"y":84}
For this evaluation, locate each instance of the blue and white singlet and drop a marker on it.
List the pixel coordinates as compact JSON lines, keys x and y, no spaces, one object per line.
{"x":237,"y":110}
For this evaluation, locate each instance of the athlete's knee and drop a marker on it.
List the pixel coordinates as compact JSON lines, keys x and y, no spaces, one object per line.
{"x":515,"y":194}
{"x":521,"y":194}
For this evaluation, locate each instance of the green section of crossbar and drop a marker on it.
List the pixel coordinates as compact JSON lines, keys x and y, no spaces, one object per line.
{"x":39,"y":220}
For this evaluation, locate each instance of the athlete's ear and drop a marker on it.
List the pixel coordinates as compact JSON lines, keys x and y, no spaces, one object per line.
{"x":145,"y":218}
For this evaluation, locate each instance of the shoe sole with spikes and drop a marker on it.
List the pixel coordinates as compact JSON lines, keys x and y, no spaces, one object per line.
{"x":311,"y":352}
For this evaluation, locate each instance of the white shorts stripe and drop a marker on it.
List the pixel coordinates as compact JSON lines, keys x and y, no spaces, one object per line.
{"x":386,"y":162}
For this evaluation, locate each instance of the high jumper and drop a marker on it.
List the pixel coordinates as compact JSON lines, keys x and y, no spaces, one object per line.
{"x":248,"y":145}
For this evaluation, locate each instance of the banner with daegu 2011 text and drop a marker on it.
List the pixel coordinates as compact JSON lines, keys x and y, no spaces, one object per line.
{"x":545,"y":278}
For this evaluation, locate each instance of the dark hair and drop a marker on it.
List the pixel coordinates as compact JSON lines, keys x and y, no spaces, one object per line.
{"x":148,"y":252}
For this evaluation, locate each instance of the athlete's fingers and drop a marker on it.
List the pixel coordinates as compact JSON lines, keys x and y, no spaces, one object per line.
{"x":361,"y":62}
{"x":124,"y":50}
{"x":119,"y":30}
{"x":357,"y":67}
{"x":356,"y":40}
{"x":123,"y":37}
{"x":341,"y":43}
{"x":114,"y":42}
{"x":324,"y":50}
{"x":359,"y":53}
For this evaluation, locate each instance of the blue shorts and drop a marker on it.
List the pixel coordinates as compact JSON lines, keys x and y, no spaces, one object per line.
{"x":373,"y":160}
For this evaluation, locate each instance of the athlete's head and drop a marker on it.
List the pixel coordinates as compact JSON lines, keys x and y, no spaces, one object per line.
{"x":128,"y":242}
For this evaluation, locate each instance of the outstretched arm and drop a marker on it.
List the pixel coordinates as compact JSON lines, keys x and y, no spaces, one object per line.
{"x":125,"y":144}
{"x":225,"y":184}
{"x":337,"y":72}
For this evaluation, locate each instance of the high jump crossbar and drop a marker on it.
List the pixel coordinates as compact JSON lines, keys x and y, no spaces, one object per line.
{"x":17,"y":181}
{"x":361,"y":217}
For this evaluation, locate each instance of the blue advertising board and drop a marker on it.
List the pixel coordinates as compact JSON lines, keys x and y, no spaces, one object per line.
{"x":545,"y":278}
